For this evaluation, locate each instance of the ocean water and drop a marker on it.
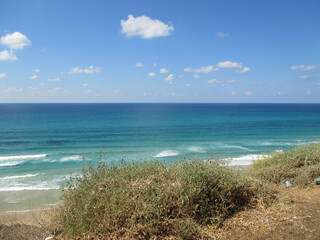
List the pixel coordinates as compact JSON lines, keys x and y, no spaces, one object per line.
{"x":42,"y":144}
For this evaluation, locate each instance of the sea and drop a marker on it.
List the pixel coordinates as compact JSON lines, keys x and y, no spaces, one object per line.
{"x":42,"y":145}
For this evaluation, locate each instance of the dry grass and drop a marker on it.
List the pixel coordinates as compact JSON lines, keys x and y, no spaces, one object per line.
{"x":152,"y":200}
{"x":300,"y":166}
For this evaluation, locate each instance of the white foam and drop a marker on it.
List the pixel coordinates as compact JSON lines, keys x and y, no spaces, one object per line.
{"x":245,"y":160}
{"x":71,"y":158}
{"x":238,"y":147}
{"x":279,"y":151}
{"x":8,"y":164}
{"x":19,"y":176}
{"x":197,"y":149}
{"x":167,"y":153}
{"x":22,"y":157}
{"x":27,"y":188}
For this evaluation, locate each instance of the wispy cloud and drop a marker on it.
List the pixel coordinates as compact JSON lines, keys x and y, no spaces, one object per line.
{"x":229,"y":64}
{"x":304,"y":77}
{"x":151,"y":74}
{"x":243,"y":70}
{"x":308,"y":92}
{"x":57,"y":79}
{"x":222,"y":34}
{"x":206,"y":69}
{"x":89,"y":70}
{"x":13,"y":90}
{"x":33,"y":77}
{"x":3,"y":75}
{"x":163,"y":70}
{"x":169,"y":78}
{"x":248,"y":93}
{"x":145,"y":27}
{"x":36,"y":70}
{"x":213,"y":81}
{"x":85,"y":85}
{"x":139,"y":64}
{"x":304,"y":67}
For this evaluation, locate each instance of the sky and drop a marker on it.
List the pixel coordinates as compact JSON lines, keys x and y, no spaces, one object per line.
{"x":226,"y":51}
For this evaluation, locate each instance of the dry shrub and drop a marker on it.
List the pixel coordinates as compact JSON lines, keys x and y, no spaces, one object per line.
{"x":151,"y":200}
{"x":300,"y":166}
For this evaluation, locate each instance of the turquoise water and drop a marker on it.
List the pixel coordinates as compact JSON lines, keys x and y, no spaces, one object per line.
{"x":41,"y":144}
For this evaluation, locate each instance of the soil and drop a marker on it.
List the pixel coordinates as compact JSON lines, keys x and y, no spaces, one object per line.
{"x":295,"y":215}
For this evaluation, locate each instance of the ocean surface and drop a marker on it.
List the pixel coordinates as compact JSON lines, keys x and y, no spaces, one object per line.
{"x":42,"y":144}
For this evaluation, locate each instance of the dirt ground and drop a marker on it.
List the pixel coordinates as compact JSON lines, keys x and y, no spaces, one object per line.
{"x":295,"y":215}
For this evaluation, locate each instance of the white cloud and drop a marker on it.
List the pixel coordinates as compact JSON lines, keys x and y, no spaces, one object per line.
{"x":233,"y":81}
{"x":247,"y":93}
{"x":36,"y":70}
{"x":54,"y":91}
{"x":33,"y":77}
{"x":244,"y":70}
{"x":7,"y":56}
{"x":229,"y":64}
{"x":85,"y":85}
{"x":89,"y":70}
{"x":145,"y":94}
{"x":163,"y":70}
{"x":145,"y":27}
{"x":139,"y":64}
{"x":196,"y":76}
{"x":304,"y":77}
{"x":234,"y":93}
{"x":42,"y":83}
{"x":188,"y":69}
{"x":221,"y":34}
{"x":15,"y":40}
{"x":54,"y":79}
{"x":188,"y":85}
{"x":3,"y":75}
{"x":169,"y":78}
{"x":152,"y":74}
{"x":13,"y":90}
{"x":304,"y":67}
{"x":308,"y":92}
{"x":206,"y":69}
{"x":213,"y":81}
{"x":32,"y":88}
{"x":154,"y":64}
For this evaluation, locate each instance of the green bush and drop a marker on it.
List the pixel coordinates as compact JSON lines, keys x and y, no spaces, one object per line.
{"x":300,"y":166}
{"x":150,"y":199}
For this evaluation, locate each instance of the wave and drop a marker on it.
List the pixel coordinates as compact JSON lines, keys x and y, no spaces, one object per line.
{"x":28,"y":188}
{"x":167,"y":153}
{"x":22,"y":157}
{"x":19,"y":176}
{"x":9,"y":164}
{"x":238,"y":147}
{"x":197,"y":149}
{"x":245,"y":160}
{"x":71,"y":158}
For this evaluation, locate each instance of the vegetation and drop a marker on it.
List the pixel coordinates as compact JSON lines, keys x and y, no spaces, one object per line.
{"x":153,"y":200}
{"x":147,"y":199}
{"x":300,"y":166}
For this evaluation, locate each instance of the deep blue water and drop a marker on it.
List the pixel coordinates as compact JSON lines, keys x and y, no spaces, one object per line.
{"x":42,"y":143}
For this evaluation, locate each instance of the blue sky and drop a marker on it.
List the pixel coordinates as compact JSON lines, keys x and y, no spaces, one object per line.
{"x":160,"y":51}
